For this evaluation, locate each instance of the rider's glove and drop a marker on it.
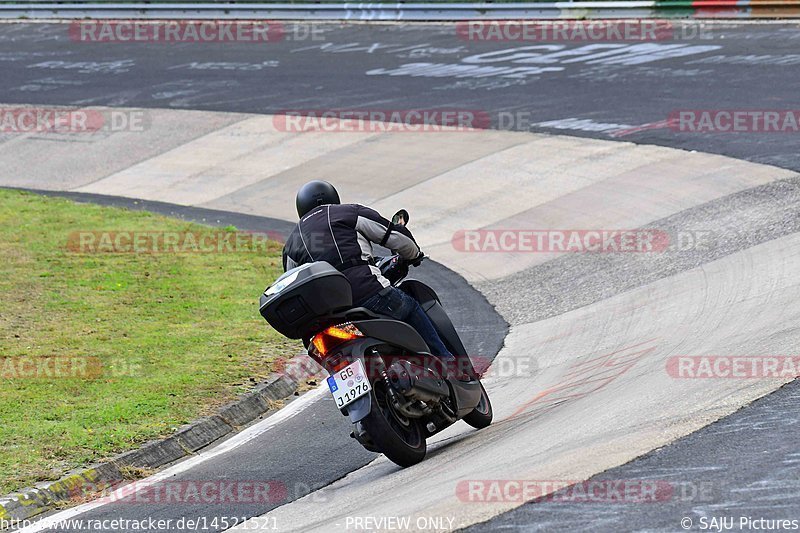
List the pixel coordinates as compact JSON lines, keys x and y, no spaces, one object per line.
{"x":416,"y":262}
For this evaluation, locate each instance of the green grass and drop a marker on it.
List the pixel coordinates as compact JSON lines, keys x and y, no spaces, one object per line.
{"x":178,"y":335}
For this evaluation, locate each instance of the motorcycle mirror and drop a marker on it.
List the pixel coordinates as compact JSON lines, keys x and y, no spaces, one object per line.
{"x":400,"y":218}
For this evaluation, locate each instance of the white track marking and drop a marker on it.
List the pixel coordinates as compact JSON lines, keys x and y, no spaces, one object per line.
{"x":293,"y":409}
{"x":599,"y":395}
{"x":739,"y":304}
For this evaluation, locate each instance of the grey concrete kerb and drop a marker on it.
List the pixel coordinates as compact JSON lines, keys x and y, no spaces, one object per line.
{"x":82,"y":484}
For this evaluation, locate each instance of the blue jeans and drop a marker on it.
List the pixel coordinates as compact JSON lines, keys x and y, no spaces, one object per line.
{"x":400,"y":306}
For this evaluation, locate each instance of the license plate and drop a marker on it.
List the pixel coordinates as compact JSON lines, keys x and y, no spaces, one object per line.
{"x":349,"y":384}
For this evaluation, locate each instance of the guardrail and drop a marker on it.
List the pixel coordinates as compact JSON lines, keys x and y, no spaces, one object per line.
{"x":407,"y":12}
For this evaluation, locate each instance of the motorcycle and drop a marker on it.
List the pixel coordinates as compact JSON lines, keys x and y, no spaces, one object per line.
{"x":381,"y":373}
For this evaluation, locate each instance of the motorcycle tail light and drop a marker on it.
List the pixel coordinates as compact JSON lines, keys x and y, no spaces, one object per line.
{"x":332,"y":337}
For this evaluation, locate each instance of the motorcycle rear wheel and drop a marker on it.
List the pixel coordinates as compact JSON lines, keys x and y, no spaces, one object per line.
{"x":399,"y":438}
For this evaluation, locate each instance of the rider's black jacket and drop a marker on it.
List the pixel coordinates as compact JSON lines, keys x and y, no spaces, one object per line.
{"x":343,"y":236}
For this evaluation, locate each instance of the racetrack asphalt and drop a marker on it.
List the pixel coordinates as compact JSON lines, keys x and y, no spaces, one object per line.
{"x":310,"y":451}
{"x":624,"y":94}
{"x":742,"y":469}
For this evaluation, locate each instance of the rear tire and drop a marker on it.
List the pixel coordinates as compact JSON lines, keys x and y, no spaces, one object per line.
{"x":481,"y":416}
{"x":399,"y":438}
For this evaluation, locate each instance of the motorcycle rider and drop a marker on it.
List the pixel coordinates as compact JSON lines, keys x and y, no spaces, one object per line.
{"x":342,"y":235}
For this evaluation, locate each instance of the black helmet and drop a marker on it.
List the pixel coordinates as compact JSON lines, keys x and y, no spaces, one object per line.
{"x":315,"y":193}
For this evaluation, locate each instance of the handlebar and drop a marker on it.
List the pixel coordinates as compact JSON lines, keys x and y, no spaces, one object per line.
{"x":395,"y":267}
{"x":397,"y":258}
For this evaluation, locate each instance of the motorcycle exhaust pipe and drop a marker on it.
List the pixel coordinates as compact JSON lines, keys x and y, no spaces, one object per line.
{"x":417,"y":382}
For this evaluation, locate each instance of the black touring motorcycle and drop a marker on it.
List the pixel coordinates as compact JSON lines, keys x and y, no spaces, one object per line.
{"x":382,"y":374}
